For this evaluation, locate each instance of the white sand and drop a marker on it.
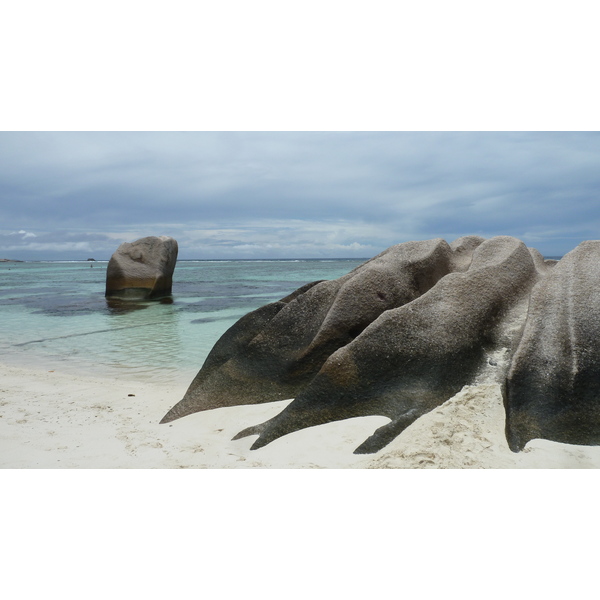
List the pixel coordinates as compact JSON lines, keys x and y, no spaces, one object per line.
{"x":58,"y":420}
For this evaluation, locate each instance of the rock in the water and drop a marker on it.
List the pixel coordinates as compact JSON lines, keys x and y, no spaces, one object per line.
{"x":553,"y":387}
{"x":142,"y":270}
{"x":274,"y":352}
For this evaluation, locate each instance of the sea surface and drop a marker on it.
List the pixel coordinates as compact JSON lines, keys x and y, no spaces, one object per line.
{"x":54,"y":316}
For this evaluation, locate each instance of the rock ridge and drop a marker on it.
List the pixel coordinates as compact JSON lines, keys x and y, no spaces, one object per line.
{"x":408,"y":329}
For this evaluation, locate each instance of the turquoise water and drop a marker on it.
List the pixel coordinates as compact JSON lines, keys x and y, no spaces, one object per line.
{"x":54,"y":315}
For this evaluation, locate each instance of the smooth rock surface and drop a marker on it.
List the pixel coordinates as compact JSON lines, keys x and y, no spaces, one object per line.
{"x":553,"y":387}
{"x":412,"y":328}
{"x":142,"y":270}
{"x":415,"y":357}
{"x":275,"y":351}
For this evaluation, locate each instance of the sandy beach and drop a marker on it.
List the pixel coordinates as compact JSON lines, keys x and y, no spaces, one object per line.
{"x":50,"y":419}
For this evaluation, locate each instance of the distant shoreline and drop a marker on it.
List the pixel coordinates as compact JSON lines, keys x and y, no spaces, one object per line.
{"x":182,"y":260}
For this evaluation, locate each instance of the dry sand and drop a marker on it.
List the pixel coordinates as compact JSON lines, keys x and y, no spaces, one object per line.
{"x":57,"y":420}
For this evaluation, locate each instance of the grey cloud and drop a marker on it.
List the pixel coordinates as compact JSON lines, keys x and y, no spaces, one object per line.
{"x":407,"y":184}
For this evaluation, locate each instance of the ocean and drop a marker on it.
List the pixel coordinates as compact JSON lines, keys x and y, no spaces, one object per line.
{"x":54,"y":316}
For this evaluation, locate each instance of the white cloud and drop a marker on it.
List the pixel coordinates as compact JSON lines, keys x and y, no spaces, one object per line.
{"x":25,"y":234}
{"x":49,"y":247}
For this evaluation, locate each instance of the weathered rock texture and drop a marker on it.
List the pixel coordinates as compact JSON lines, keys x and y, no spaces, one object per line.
{"x":275,"y":351}
{"x":142,"y":270}
{"x":405,"y":331}
{"x":553,"y":387}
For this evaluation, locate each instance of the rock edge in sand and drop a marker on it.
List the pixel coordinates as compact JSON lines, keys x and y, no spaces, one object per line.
{"x":407,"y":330}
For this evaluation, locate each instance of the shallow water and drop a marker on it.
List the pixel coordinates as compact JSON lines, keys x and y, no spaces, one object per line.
{"x":54,"y":314}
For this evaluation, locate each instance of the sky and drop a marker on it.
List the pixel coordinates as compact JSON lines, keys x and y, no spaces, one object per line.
{"x":78,"y":195}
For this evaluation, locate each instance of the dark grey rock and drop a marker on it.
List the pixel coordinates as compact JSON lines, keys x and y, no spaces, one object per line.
{"x":414,"y":358}
{"x":405,"y":331}
{"x":273,"y":353}
{"x":142,"y":270}
{"x":553,"y":386}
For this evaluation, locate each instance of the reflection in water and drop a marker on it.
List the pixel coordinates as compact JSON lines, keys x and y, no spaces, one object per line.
{"x":117,"y":306}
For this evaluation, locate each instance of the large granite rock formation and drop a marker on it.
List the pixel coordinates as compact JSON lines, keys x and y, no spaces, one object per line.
{"x":553,"y":387}
{"x":405,"y":331}
{"x":415,"y":357}
{"x":275,"y":351}
{"x":142,"y":270}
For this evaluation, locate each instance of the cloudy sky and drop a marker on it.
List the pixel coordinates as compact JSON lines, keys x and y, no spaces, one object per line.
{"x":79,"y":195}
